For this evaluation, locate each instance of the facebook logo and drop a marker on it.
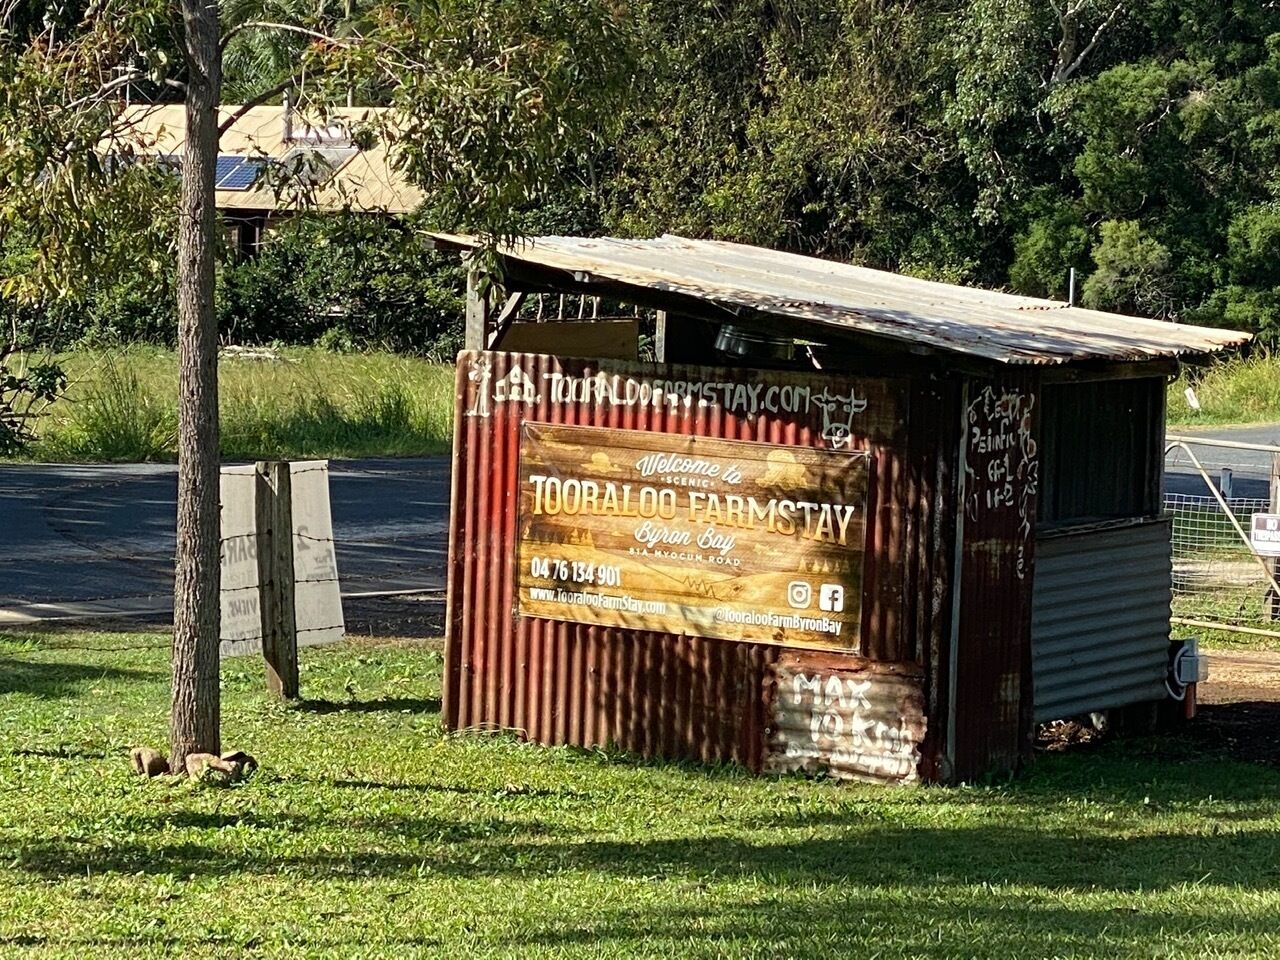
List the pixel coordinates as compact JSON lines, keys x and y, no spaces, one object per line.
{"x":831,"y":597}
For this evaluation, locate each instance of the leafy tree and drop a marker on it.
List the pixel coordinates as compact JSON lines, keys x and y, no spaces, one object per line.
{"x":357,"y":280}
{"x":24,"y":390}
{"x":493,"y":99}
{"x":1054,"y":240}
{"x":1133,"y":271}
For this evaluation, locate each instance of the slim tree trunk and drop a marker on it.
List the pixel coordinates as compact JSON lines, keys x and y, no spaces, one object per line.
{"x":194,"y":722}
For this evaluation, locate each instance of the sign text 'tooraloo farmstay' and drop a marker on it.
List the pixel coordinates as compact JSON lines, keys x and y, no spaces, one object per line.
{"x":692,"y":535}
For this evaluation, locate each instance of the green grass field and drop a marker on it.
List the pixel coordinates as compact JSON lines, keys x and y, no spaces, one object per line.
{"x":1236,"y":391}
{"x":122,"y":406}
{"x":370,"y":833}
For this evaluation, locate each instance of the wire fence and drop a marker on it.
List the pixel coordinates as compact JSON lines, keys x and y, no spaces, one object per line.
{"x":1218,"y":577}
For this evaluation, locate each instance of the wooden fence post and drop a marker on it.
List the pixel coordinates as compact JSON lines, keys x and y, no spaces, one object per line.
{"x":273,"y":507}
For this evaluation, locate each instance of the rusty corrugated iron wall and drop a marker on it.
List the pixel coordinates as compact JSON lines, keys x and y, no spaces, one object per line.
{"x":992,"y":683}
{"x":658,"y":694}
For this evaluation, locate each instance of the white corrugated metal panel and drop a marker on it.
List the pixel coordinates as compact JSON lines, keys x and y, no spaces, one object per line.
{"x":981,"y":323}
{"x":1100,"y":619}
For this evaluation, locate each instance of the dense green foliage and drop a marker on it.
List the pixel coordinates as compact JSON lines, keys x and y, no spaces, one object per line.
{"x":996,"y":142}
{"x":954,"y":139}
{"x":369,"y":832}
{"x":353,"y":281}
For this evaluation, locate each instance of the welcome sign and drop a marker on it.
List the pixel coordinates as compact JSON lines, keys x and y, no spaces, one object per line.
{"x":692,"y":535}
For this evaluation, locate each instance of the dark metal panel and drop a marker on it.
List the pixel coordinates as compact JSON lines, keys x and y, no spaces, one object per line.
{"x":1100,"y":619}
{"x":653,"y":693}
{"x":1102,"y":448}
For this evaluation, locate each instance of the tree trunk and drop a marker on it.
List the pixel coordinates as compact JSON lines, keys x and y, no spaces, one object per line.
{"x":194,"y":722}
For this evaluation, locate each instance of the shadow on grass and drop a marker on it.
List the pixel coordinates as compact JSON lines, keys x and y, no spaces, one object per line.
{"x":381,"y":705}
{"x":860,"y":922}
{"x":61,"y":679}
{"x":866,"y":853}
{"x":61,"y":753}
{"x":1245,"y":730}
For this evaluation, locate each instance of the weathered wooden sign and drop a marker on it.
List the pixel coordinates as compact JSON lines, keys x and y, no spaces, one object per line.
{"x":848,"y":718}
{"x":692,"y":535}
{"x":317,"y":601}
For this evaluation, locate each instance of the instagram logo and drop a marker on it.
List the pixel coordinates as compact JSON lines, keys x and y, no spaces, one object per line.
{"x":799,"y":594}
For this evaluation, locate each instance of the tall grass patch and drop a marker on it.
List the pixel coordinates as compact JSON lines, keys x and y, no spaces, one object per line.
{"x":113,"y":414}
{"x":1234,"y":391}
{"x":122,"y":406}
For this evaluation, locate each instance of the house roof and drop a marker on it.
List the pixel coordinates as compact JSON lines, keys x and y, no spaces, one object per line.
{"x":365,"y":180}
{"x":824,"y":297}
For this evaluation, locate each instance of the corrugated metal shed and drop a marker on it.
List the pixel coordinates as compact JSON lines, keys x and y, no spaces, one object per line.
{"x":825,"y":296}
{"x":563,"y":682}
{"x":1100,"y":619}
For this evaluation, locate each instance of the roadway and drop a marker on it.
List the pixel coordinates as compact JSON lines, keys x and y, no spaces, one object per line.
{"x":98,"y":540}
{"x":1251,"y":469}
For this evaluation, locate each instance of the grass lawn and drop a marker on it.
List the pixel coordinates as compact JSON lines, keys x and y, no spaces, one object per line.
{"x":122,"y":405}
{"x":369,"y":833}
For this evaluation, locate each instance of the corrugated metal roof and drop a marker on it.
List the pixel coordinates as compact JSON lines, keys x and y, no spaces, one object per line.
{"x":982,"y":323}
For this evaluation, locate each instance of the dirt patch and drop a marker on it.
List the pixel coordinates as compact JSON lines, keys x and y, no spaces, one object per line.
{"x":1241,"y":675}
{"x":1059,"y":736}
{"x":417,"y":616}
{"x":1239,"y":706}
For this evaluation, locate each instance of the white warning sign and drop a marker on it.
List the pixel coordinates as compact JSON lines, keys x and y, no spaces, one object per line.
{"x":1264,"y":534}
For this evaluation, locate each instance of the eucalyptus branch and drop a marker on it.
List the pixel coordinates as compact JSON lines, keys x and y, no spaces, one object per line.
{"x":1097,"y":35}
{"x":121,"y":81}
{"x":1068,"y":60}
{"x":258,"y":100}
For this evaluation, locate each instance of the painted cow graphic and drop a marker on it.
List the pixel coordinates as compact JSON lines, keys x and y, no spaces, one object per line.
{"x":837,"y":417}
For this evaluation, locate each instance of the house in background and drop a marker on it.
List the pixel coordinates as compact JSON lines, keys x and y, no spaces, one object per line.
{"x":273,"y":163}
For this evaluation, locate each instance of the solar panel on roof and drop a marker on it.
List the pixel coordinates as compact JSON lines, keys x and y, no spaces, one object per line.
{"x":226,"y":164}
{"x":239,"y":175}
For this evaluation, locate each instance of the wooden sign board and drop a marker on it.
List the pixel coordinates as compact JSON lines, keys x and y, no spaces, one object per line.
{"x":317,"y":601}
{"x":603,"y":339}
{"x":692,"y":535}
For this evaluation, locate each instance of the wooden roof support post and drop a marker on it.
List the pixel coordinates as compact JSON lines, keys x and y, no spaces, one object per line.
{"x":660,"y":338}
{"x":506,"y":316}
{"x":479,"y":315}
